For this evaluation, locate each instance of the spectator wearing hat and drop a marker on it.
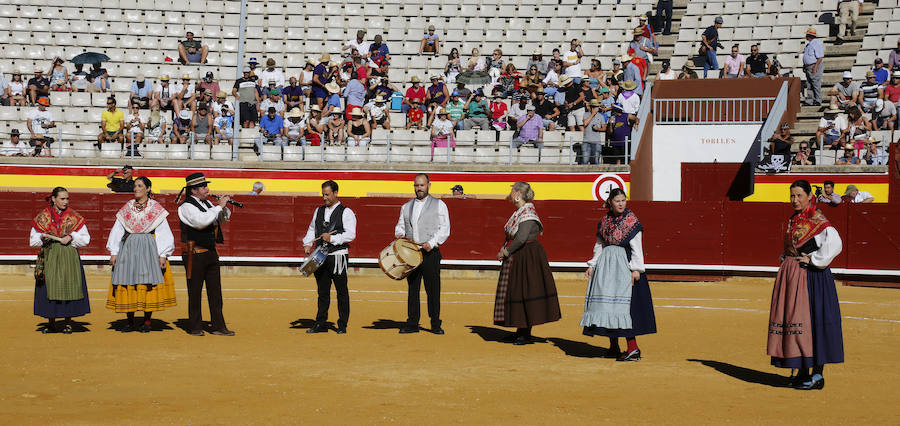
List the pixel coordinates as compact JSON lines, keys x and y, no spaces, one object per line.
{"x":854,"y":195}
{"x":647,"y":29}
{"x":322,"y":75}
{"x":606,"y":103}
{"x":38,"y":86}
{"x":537,"y":60}
{"x":141,"y":89}
{"x":869,"y":91}
{"x":334,"y":98}
{"x":477,"y":111}
{"x":415,"y":115}
{"x":378,"y":52}
{"x":272,"y":101}
{"x":436,"y":96}
{"x":845,"y":92}
{"x":882,"y":74}
{"x":215,"y":107}
{"x":247,"y":96}
{"x":271,"y":130}
{"x":458,"y":192}
{"x":456,"y":110}
{"x":209,"y":84}
{"x":112,"y":124}
{"x":39,"y":121}
{"x":124,"y":183}
{"x":223,"y":125}
{"x":190,"y":50}
{"x":181,"y":128}
{"x":594,"y":134}
{"x":518,"y":109}
{"x":378,"y":112}
{"x":618,"y":131}
{"x":271,"y":74}
{"x":499,"y":111}
{"x":359,"y":44}
{"x":294,"y":128}
{"x":891,"y":90}
{"x":315,"y":126}
{"x":664,"y":7}
{"x":163,"y":94}
{"x":414,"y":92}
{"x":253,"y":64}
{"x":642,"y":50}
{"x":14,"y":147}
{"x":875,"y":156}
{"x":358,"y":131}
{"x":628,"y":98}
{"x":884,"y":115}
{"x":666,"y":73}
{"x":734,"y":64}
{"x":813,"y":67}
{"x":431,"y":43}
{"x":709,"y":42}
{"x":833,"y":128}
{"x":202,"y":125}
{"x":185,"y":94}
{"x":687,"y":71}
{"x":59,"y":75}
{"x":335,"y":128}
{"x":531,"y":129}
{"x":573,"y":105}
{"x":848,"y":11}
{"x":633,"y":73}
{"x":757,"y":63}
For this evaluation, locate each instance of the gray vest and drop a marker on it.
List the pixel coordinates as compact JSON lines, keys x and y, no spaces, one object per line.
{"x":428,"y":223}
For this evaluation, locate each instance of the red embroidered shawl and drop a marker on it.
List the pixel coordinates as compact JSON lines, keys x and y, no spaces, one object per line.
{"x":803,"y":226}
{"x":51,"y":222}
{"x":141,"y":221}
{"x":522,"y":214}
{"x":618,"y":230}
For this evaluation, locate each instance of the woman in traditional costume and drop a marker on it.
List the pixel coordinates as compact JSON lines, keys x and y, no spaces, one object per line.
{"x":526,"y":291}
{"x":60,"y":288}
{"x":139,"y":244}
{"x":805,"y":319}
{"x":618,"y":301}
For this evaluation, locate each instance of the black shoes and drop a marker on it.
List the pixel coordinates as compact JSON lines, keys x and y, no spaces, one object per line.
{"x":317,"y":328}
{"x":223,"y":332}
{"x":816,"y":382}
{"x":436,"y":329}
{"x":196,"y":333}
{"x":342,"y":330}
{"x":67,"y":329}
{"x":129,"y":327}
{"x":838,"y":41}
{"x":523,"y":340}
{"x":407,"y":329}
{"x":145,"y":328}
{"x":613,"y":353}
{"x":634,"y":355}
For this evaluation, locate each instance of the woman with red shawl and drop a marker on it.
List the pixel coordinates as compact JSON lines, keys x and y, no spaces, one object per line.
{"x":805,"y":318}
{"x":60,"y":288}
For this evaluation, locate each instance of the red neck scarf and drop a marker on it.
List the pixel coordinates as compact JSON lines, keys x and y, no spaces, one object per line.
{"x":803,"y":226}
{"x":59,"y":224}
{"x":617,"y":230}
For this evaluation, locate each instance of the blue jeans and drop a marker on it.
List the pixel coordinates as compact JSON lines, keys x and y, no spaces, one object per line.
{"x":590,"y":152}
{"x":711,"y":62}
{"x":406,"y":107}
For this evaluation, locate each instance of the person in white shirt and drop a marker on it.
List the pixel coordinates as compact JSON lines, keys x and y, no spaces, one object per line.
{"x":135,"y":124}
{"x":294,"y":127}
{"x":572,"y":60}
{"x":332,"y":228}
{"x":667,"y":72}
{"x":551,"y":80}
{"x":40,"y":120}
{"x":271,"y":74}
{"x":359,"y":44}
{"x":221,"y":100}
{"x":183,"y":94}
{"x":832,"y":129}
{"x":857,"y":196}
{"x":426,"y":221}
{"x":14,"y":147}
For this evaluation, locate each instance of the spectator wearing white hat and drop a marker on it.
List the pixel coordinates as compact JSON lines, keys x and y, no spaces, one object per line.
{"x":140,"y":92}
{"x":875,"y":156}
{"x":892,"y":89}
{"x":359,"y":133}
{"x":223,"y":125}
{"x":633,"y":73}
{"x":335,"y":129}
{"x":537,"y":60}
{"x":215,"y":107}
{"x":431,"y":43}
{"x":833,"y":128}
{"x":845,"y":92}
{"x":813,"y":67}
{"x":181,"y":128}
{"x":884,"y":116}
{"x":294,"y":128}
{"x":531,"y":129}
{"x":377,"y":110}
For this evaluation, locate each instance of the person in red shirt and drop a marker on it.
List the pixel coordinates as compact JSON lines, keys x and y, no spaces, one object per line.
{"x":415,"y":116}
{"x":892,"y":90}
{"x":416,"y":92}
{"x":499,"y":110}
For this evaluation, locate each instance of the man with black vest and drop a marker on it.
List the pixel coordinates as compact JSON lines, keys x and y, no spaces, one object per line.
{"x":333,"y":227}
{"x":200,"y":231}
{"x":426,"y":221}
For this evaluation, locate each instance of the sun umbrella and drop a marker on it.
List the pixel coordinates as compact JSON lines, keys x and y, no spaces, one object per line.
{"x":90,"y":58}
{"x":475,"y":78}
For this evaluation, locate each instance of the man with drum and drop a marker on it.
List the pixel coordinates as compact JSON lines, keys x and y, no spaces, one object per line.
{"x":426,"y":221}
{"x":333,"y":227}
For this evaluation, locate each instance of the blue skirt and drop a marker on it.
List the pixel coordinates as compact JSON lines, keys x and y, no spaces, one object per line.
{"x":825,"y":319}
{"x":46,"y":308}
{"x":643,"y":320}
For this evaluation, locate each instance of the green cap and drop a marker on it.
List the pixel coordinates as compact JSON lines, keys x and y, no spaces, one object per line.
{"x":604,"y":90}
{"x":274,"y":92}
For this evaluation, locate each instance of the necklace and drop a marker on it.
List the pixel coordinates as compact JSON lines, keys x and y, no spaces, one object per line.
{"x":138,"y":206}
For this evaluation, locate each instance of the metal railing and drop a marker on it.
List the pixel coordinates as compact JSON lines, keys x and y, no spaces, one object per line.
{"x":643,"y":112}
{"x":712,"y":110}
{"x":773,"y":118}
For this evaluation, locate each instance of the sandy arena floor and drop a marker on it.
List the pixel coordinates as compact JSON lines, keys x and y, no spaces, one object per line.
{"x":707,"y":364}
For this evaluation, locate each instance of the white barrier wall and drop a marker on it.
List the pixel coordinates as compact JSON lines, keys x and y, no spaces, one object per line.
{"x":676,"y":144}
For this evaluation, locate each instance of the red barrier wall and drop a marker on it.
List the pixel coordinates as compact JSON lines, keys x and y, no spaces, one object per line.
{"x":688,"y":233}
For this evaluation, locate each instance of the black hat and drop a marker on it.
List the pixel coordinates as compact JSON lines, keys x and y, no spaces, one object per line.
{"x":14,"y":132}
{"x":457,"y":188}
{"x":195,"y":180}
{"x":127,"y":167}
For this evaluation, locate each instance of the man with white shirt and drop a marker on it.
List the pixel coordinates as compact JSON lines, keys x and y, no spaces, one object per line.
{"x":572,"y":60}
{"x":359,"y":44}
{"x":854,"y":195}
{"x":14,"y":147}
{"x":199,"y":220}
{"x":426,"y":221}
{"x":271,"y":74}
{"x":333,"y":227}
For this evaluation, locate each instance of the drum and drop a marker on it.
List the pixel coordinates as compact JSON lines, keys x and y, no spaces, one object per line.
{"x":399,"y":258}
{"x":315,"y":259}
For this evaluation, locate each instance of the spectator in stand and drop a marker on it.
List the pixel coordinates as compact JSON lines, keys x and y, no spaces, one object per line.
{"x":294,"y":128}
{"x":322,"y":74}
{"x":271,"y":74}
{"x":112,"y":124}
{"x":642,"y":51}
{"x":687,"y":71}
{"x":589,"y":94}
{"x":4,"y":91}
{"x":382,"y":87}
{"x":859,"y":128}
{"x":781,"y":141}
{"x":551,"y":80}
{"x":734,"y":64}
{"x":215,"y":107}
{"x":453,"y":67}
{"x":458,"y":192}
{"x":273,"y":101}
{"x":185,"y":94}
{"x":615,"y":75}
{"x":546,"y":109}
{"x":124,"y":183}
{"x":845,"y":93}
{"x":757,"y":63}
{"x":38,"y":86}
{"x":595,"y":74}
{"x":271,"y":130}
{"x":891,"y":91}
{"x":181,"y":128}
{"x":82,"y":81}
{"x":848,"y":159}
{"x":869,"y":92}
{"x":59,"y":75}
{"x":574,"y":103}
{"x":499,"y":111}
{"x":476,"y":62}
{"x":531,"y":129}
{"x":415,"y":115}
{"x":606,"y":103}
{"x":359,"y":44}
{"x":882,"y":74}
{"x":628,"y":98}
{"x":335,"y":133}
{"x":14,"y":147}
{"x":833,"y":129}
{"x":571,"y":60}
{"x":633,"y":73}
{"x":359,"y":133}
{"x":667,"y":73}
{"x":509,"y":82}
{"x":141,"y":91}
{"x":804,"y":155}
{"x":163,"y":94}
{"x":618,"y":131}
{"x":135,"y":125}
{"x":431,"y":43}
{"x":247,"y":96}
{"x":476,"y":111}
{"x":306,"y":76}
{"x":202,"y":125}
{"x":875,"y":156}
{"x":253,"y":64}
{"x":436,"y":96}
{"x":517,"y":110}
{"x":156,"y":125}
{"x":209,"y":84}
{"x":223,"y":126}
{"x":647,"y":29}
{"x":594,"y":134}
{"x":894,"y":58}
{"x":39,"y":123}
{"x":456,"y":110}
{"x":414,"y":92}
{"x":495,"y":66}
{"x":532,"y":81}
{"x":190,"y":50}
{"x":884,"y":116}
{"x":848,"y":11}
{"x":442,"y":131}
{"x":828,"y":196}
{"x":100,"y":77}
{"x":813,"y":67}
{"x":537,"y":60}
{"x":709,"y":43}
{"x":854,"y":195}
{"x":463,"y":92}
{"x":258,"y":188}
{"x":334,"y":98}
{"x":354,"y":93}
{"x":664,"y":7}
{"x":315,"y":126}
{"x":378,"y":111}
{"x":378,"y":53}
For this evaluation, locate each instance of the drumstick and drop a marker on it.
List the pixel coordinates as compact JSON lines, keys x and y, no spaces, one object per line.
{"x":320,"y":237}
{"x":52,"y":237}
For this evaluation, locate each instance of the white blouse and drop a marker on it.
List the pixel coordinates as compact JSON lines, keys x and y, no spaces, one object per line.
{"x":165,"y":241}
{"x":80,"y":238}
{"x":637,"y":253}
{"x":830,"y":245}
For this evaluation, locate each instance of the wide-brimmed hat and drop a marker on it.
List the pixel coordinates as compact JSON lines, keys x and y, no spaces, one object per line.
{"x":536,"y":51}
{"x":811,"y":31}
{"x":832,"y":110}
{"x":274,"y":92}
{"x":164,"y":77}
{"x":186,"y":76}
{"x":440,"y":111}
{"x":688,"y":63}
{"x":252,"y":61}
{"x":14,"y":132}
{"x":564,"y":80}
{"x":870,"y":74}
{"x":637,"y":31}
{"x":357,"y":112}
{"x":380,"y":99}
{"x":184,"y":115}
{"x":530,"y":107}
{"x":847,"y":74}
{"x":337,"y":110}
{"x":896,"y":74}
{"x":850,"y":188}
{"x":195,"y":180}
{"x":333,"y":87}
{"x":294,"y":113}
{"x":539,"y":89}
{"x":595,"y":102}
{"x":624,"y":58}
{"x":629,"y":85}
{"x":221,"y":94}
{"x":38,"y":70}
{"x":43,"y":101}
{"x":316,"y":108}
{"x":414,"y":79}
{"x":270,"y":62}
{"x":325,"y":57}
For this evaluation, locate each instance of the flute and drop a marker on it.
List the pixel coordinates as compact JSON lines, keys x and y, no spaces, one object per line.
{"x":232,"y":202}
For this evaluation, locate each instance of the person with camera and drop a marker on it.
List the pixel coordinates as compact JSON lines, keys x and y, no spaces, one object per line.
{"x":827,"y":196}
{"x":708,"y":45}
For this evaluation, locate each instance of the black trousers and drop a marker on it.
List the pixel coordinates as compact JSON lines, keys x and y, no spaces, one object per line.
{"x":324,"y":277}
{"x":430,"y":270}
{"x":664,"y":6}
{"x":205,"y":269}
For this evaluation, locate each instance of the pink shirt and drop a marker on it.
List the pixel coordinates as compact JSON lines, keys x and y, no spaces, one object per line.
{"x":733,"y":64}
